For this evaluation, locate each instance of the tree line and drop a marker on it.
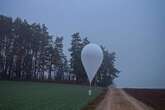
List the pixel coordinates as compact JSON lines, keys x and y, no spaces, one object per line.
{"x":29,"y":52}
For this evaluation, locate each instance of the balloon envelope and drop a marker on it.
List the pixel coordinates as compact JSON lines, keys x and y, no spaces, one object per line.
{"x":91,"y":57}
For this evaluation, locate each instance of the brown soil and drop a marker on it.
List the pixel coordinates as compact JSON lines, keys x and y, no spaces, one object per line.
{"x":153,"y":97}
{"x":117,"y":99}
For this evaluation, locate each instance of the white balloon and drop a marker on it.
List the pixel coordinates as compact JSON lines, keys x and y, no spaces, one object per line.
{"x":91,"y":57}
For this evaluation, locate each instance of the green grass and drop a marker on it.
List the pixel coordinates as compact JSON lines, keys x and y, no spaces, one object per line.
{"x":43,"y":96}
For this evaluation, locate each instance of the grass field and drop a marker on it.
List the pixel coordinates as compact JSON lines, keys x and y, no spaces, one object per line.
{"x":43,"y":96}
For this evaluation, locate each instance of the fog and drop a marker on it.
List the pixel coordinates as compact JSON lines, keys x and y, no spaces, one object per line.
{"x":134,"y":29}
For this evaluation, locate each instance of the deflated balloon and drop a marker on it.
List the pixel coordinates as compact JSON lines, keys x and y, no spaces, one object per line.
{"x":91,"y":57}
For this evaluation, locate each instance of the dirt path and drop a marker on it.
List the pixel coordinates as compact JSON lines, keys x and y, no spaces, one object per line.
{"x":117,"y":99}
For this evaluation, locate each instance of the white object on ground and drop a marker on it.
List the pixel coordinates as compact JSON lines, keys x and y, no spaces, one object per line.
{"x":89,"y":92}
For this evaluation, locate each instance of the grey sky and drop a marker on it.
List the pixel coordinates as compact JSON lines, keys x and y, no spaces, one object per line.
{"x":134,"y":29}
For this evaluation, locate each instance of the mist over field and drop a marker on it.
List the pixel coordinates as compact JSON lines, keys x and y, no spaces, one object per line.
{"x":132,"y":29}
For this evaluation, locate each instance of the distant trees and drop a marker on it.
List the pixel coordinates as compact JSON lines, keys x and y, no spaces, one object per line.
{"x":107,"y":72}
{"x":5,"y":45}
{"x":25,"y":50}
{"x":62,"y":61}
{"x":28,"y":52}
{"x":75,"y":62}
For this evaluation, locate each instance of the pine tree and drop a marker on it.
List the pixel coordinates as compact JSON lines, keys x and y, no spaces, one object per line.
{"x":75,"y":62}
{"x":6,"y":39}
{"x":107,"y":72}
{"x":60,"y":67}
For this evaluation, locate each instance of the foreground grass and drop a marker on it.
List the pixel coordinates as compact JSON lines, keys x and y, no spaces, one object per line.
{"x":43,"y":96}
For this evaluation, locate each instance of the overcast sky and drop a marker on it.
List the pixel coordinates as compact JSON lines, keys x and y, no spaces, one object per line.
{"x":134,"y":29}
